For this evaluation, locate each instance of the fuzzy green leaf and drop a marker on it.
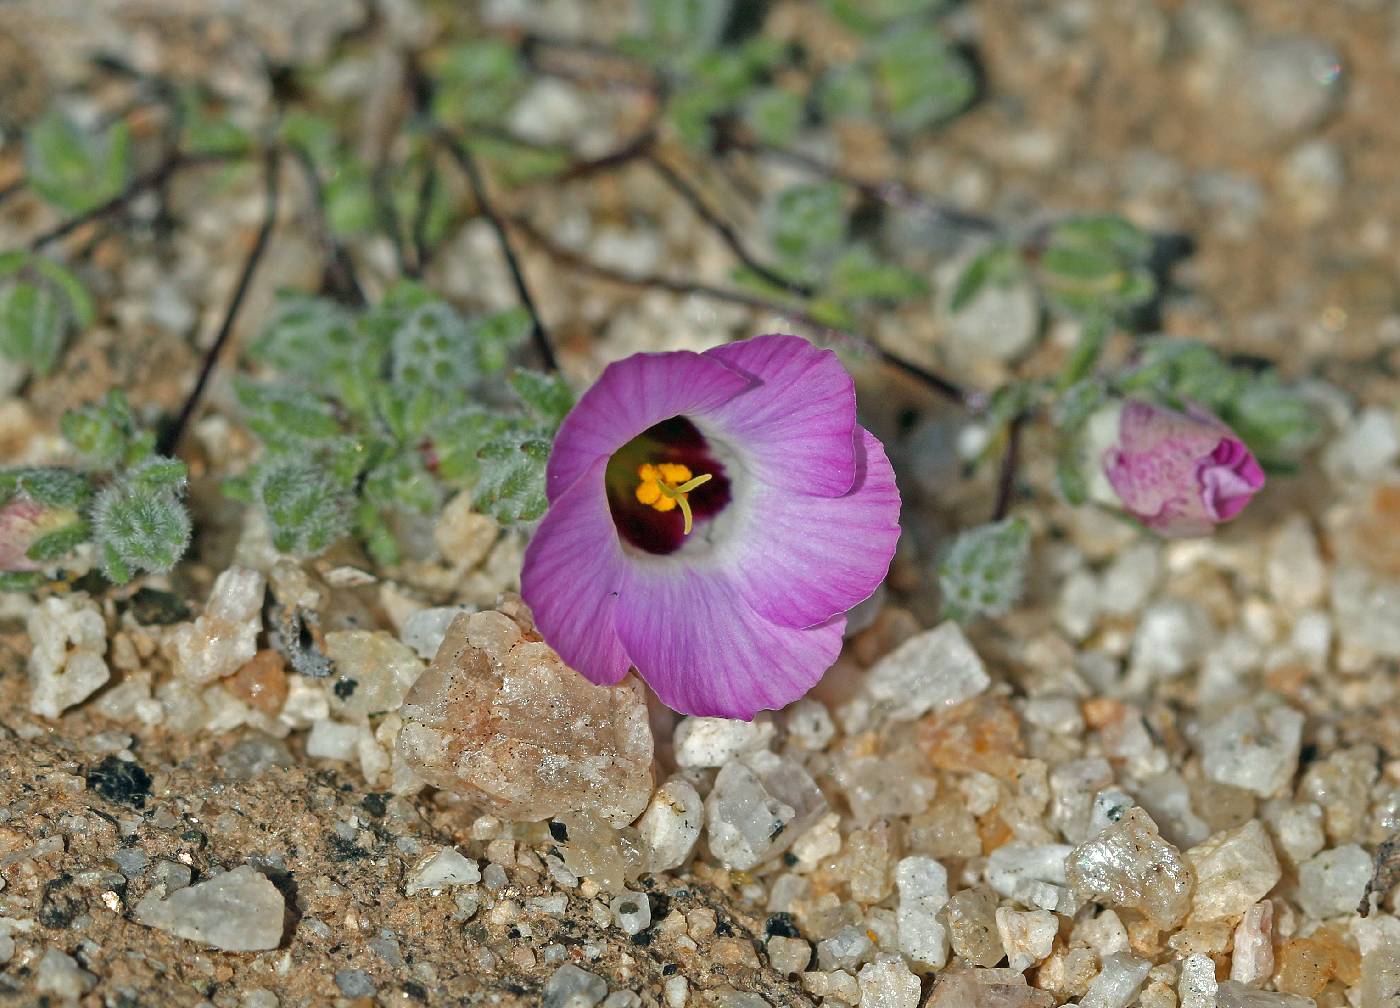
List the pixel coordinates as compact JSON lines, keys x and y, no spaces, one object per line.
{"x":33,"y":325}
{"x":73,"y":167}
{"x":138,"y":530}
{"x":510,"y":487}
{"x":922,"y":80}
{"x":307,"y":508}
{"x":52,"y":487}
{"x":548,"y":397}
{"x":983,"y":573}
{"x":59,"y":543}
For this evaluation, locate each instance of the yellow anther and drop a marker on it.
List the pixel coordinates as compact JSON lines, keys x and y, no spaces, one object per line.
{"x":664,"y":487}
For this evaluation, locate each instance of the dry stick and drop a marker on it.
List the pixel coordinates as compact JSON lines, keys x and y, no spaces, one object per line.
{"x":418,"y":230}
{"x":467,"y":163}
{"x":722,"y":227}
{"x":171,"y":440}
{"x":1006,"y":478}
{"x":966,"y":398}
{"x":894,"y":194}
{"x":341,"y":265}
{"x":11,"y":189}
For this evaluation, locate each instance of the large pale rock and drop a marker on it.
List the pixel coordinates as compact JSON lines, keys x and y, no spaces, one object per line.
{"x":225,"y":637}
{"x":238,"y":911}
{"x":66,"y":664}
{"x":1234,"y":870}
{"x":500,"y":720}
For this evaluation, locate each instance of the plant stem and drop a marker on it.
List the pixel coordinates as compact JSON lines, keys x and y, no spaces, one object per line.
{"x":271,"y":164}
{"x":967,"y":398}
{"x":1010,"y":462}
{"x":172,"y":164}
{"x":467,"y":163}
{"x":341,"y":279}
{"x":722,"y":227}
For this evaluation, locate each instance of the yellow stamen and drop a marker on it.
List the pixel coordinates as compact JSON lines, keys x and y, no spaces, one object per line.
{"x":664,"y":487}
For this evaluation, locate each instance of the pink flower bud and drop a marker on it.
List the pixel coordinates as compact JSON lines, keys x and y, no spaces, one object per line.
{"x":1181,"y":474}
{"x":22,"y":522}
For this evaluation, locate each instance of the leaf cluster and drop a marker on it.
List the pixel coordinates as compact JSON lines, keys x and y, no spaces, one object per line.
{"x":121,"y":496}
{"x":984,"y":571}
{"x":376,"y":415}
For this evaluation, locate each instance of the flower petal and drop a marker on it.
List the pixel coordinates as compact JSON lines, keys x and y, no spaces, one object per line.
{"x":630,"y":396}
{"x":804,"y":559}
{"x":706,"y":653}
{"x":574,"y":568}
{"x":795,"y":423}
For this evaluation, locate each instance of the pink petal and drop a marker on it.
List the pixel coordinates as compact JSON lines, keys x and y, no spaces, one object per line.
{"x":630,"y":396}
{"x":706,"y":653}
{"x":574,"y":568}
{"x":805,"y":559}
{"x":795,"y":423}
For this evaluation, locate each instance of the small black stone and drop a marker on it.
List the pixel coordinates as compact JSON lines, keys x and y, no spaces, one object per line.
{"x":375,"y":803}
{"x":157,"y":608}
{"x":119,"y":781}
{"x":669,"y":969}
{"x":559,"y":831}
{"x":344,"y":686}
{"x":781,"y":925}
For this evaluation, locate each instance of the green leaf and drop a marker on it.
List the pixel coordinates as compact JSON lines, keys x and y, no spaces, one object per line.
{"x":858,"y":276}
{"x":156,"y":474}
{"x":103,"y":434}
{"x":457,"y":440}
{"x":59,"y":543}
{"x":548,"y":397}
{"x":983,"y":573}
{"x":807,"y":227}
{"x":684,"y":30}
{"x":52,"y":487}
{"x":774,"y":115}
{"x":138,"y":530}
{"x":33,"y":325}
{"x":20,"y":581}
{"x":510,"y":487}
{"x":477,"y":81}
{"x":286,"y":417}
{"x":497,"y":336}
{"x":75,"y":168}
{"x":434,"y":350}
{"x":921,"y":79}
{"x":307,"y":509}
{"x":1097,"y":265}
{"x":847,"y":92}
{"x":996,"y":264}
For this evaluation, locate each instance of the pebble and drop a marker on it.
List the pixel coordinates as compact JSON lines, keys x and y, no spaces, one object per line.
{"x":425,"y":629}
{"x":1027,"y":936}
{"x":936,"y":668}
{"x":631,"y":912}
{"x":997,"y":325}
{"x":1130,"y":865}
{"x":887,"y":983}
{"x":501,"y":721}
{"x":671,"y":824}
{"x":354,"y":983}
{"x":1230,"y":994}
{"x":1290,"y":83}
{"x":225,"y":636}
{"x":60,"y":975}
{"x":1197,"y":985}
{"x":1254,"y":747}
{"x":373,"y":672}
{"x":758,"y":807}
{"x":788,"y":955}
{"x":239,"y":911}
{"x":1119,"y":980}
{"x":713,"y":741}
{"x":1234,"y":869}
{"x":1331,"y":883}
{"x":68,"y":637}
{"x":923,"y":892}
{"x":444,"y":870}
{"x":1252,"y":958}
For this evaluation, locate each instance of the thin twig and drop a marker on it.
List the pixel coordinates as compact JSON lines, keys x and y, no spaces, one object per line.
{"x":1010,"y":461}
{"x":967,"y":398}
{"x":11,"y":189}
{"x":467,"y":163}
{"x":427,"y":189}
{"x":389,"y":217}
{"x":894,"y":194}
{"x":722,"y":228}
{"x":271,"y":164}
{"x":340,"y":277}
{"x":173,"y":163}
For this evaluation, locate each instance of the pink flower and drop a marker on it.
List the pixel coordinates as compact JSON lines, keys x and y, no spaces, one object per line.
{"x":712,"y":518}
{"x":23,"y":521}
{"x":1181,"y":474}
